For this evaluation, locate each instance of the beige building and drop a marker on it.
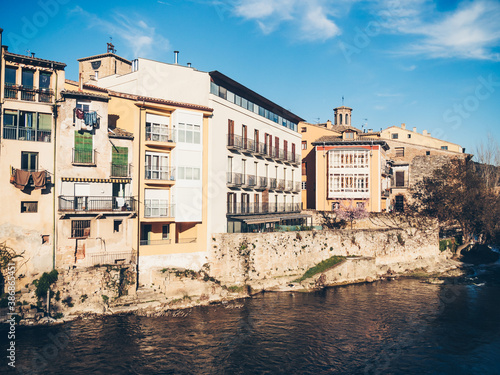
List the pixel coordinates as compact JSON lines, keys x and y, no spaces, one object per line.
{"x":96,"y":207}
{"x":405,"y":145}
{"x":29,"y":91}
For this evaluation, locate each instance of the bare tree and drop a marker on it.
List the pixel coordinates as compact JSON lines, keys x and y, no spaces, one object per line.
{"x":487,"y":157}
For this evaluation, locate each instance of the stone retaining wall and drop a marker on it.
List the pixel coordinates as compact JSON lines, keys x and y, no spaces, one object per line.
{"x":253,"y":257}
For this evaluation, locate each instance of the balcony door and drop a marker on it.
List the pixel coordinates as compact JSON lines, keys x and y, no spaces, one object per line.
{"x":157,"y":166}
{"x":82,"y":193}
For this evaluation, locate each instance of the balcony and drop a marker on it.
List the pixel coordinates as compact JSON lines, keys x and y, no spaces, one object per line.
{"x":84,"y":157}
{"x":272,"y":184}
{"x":250,"y":181}
{"x":234,"y":142}
{"x":159,"y":173}
{"x":121,"y":170}
{"x":96,"y":204}
{"x":297,"y":187}
{"x":42,"y":177}
{"x":26,"y":134}
{"x":45,"y":95}
{"x":248,"y":145}
{"x":28,"y":93}
{"x":262,"y":183}
{"x":156,"y":208}
{"x":234,"y":179}
{"x":289,"y":186}
{"x":260,"y":148}
{"x":10,"y":91}
{"x":261,"y":208}
{"x":281,"y":185}
{"x":158,"y":135}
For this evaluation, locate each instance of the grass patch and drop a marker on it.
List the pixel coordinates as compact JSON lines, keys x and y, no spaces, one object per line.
{"x":321,"y":267}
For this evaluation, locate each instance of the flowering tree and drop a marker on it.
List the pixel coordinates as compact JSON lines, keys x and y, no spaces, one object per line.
{"x":351,"y":211}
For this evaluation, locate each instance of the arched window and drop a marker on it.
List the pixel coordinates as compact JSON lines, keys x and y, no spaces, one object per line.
{"x":340,"y":117}
{"x":347,"y":119}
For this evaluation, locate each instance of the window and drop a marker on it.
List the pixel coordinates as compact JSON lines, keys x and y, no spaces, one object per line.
{"x":119,"y":162}
{"x":427,"y":152}
{"x":444,"y":147}
{"x":44,"y":80}
{"x":29,"y":207}
{"x":349,"y":135}
{"x":83,"y":151}
{"x":400,"y":203}
{"x":400,"y":151}
{"x":29,"y":161}
{"x":303,"y":130}
{"x":304,"y":145}
{"x":117,"y":225}
{"x":188,"y":173}
{"x":189,"y":133}
{"x":83,"y":105}
{"x":165,"y":232}
{"x":304,"y":185}
{"x":348,"y":159}
{"x":158,"y":132}
{"x":347,"y":183}
{"x":360,"y":204}
{"x":157,"y":167}
{"x":400,"y":178}
{"x":10,"y":75}
{"x":409,"y":135}
{"x":335,"y":206}
{"x":80,"y":228}
{"x":394,"y":135}
{"x":27,"y":78}
{"x":304,"y":168}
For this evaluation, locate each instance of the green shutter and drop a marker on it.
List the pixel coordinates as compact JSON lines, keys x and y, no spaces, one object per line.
{"x":83,"y":147}
{"x":120,"y":155}
{"x":44,"y":122}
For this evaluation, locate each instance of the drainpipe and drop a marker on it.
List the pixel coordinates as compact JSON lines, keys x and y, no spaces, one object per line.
{"x":139,"y":194}
{"x":54,"y":114}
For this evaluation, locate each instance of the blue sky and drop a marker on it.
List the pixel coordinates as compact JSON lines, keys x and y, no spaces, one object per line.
{"x":433,"y":65}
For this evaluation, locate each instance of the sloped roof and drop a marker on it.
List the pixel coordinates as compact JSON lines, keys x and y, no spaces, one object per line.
{"x":120,"y":133}
{"x":14,"y":57}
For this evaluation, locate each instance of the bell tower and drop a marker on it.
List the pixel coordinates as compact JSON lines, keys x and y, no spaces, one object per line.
{"x":342,"y":115}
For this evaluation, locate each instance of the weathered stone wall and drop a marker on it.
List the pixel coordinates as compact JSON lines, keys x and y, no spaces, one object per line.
{"x":423,"y":166}
{"x":254,"y":257}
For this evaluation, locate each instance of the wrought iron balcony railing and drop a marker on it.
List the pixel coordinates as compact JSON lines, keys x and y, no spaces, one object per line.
{"x":96,"y":204}
{"x":261,"y":208}
{"x":84,"y":157}
{"x":120,"y":170}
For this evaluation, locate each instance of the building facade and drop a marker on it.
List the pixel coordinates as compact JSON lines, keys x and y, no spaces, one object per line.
{"x":29,"y":92}
{"x":96,"y":207}
{"x":253,"y":144}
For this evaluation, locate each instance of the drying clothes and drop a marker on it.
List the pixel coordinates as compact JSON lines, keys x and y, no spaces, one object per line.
{"x":79,"y":113}
{"x":90,"y":118}
{"x":39,"y":179}
{"x":21,"y":178}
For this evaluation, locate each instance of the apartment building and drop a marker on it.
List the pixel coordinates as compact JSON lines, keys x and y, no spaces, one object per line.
{"x":96,"y":209}
{"x":341,"y":162}
{"x":405,"y":146}
{"x":253,"y":144}
{"x":29,"y":93}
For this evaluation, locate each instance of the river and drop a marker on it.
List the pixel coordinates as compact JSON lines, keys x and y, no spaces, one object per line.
{"x":387,"y":327}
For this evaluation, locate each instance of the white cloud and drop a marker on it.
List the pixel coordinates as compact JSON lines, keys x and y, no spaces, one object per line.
{"x":140,"y":38}
{"x":311,"y":16}
{"x":470,"y":31}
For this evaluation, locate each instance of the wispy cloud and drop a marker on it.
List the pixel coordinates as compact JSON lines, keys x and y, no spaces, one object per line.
{"x":313,"y":17}
{"x":140,"y":38}
{"x":470,"y":31}
{"x":388,"y":95}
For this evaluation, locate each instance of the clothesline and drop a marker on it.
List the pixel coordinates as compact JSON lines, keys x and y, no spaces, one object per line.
{"x":20,"y":178}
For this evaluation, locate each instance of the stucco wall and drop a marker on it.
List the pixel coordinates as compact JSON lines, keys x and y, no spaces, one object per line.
{"x":250,"y":257}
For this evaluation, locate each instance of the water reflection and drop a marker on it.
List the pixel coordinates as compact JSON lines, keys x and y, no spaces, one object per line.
{"x":399,"y":327}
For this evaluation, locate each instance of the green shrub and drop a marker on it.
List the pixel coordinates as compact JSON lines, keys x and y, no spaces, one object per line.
{"x":44,"y":282}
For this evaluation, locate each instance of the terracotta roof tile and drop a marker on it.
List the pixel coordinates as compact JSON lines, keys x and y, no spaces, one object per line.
{"x":120,"y":133}
{"x":14,"y":56}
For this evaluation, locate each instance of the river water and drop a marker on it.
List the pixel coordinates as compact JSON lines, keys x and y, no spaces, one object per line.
{"x":387,"y":327}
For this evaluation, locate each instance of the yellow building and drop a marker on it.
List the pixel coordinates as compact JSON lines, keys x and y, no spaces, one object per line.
{"x":170,"y":174}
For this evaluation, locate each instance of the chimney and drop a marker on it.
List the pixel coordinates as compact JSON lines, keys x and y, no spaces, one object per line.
{"x":328,"y":124}
{"x":414,"y":129}
{"x":424,"y":132}
{"x":403,"y":126}
{"x":176,"y":57}
{"x":189,"y":65}
{"x":80,"y":82}
{"x":32,"y":54}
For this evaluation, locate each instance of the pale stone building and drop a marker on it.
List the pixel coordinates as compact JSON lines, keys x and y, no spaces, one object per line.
{"x":29,"y":91}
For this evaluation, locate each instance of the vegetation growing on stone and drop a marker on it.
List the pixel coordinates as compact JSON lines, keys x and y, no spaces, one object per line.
{"x":44,"y":282}
{"x":321,"y":267}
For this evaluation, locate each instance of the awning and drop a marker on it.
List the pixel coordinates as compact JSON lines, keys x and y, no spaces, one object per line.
{"x":108,"y":180}
{"x":261,"y":220}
